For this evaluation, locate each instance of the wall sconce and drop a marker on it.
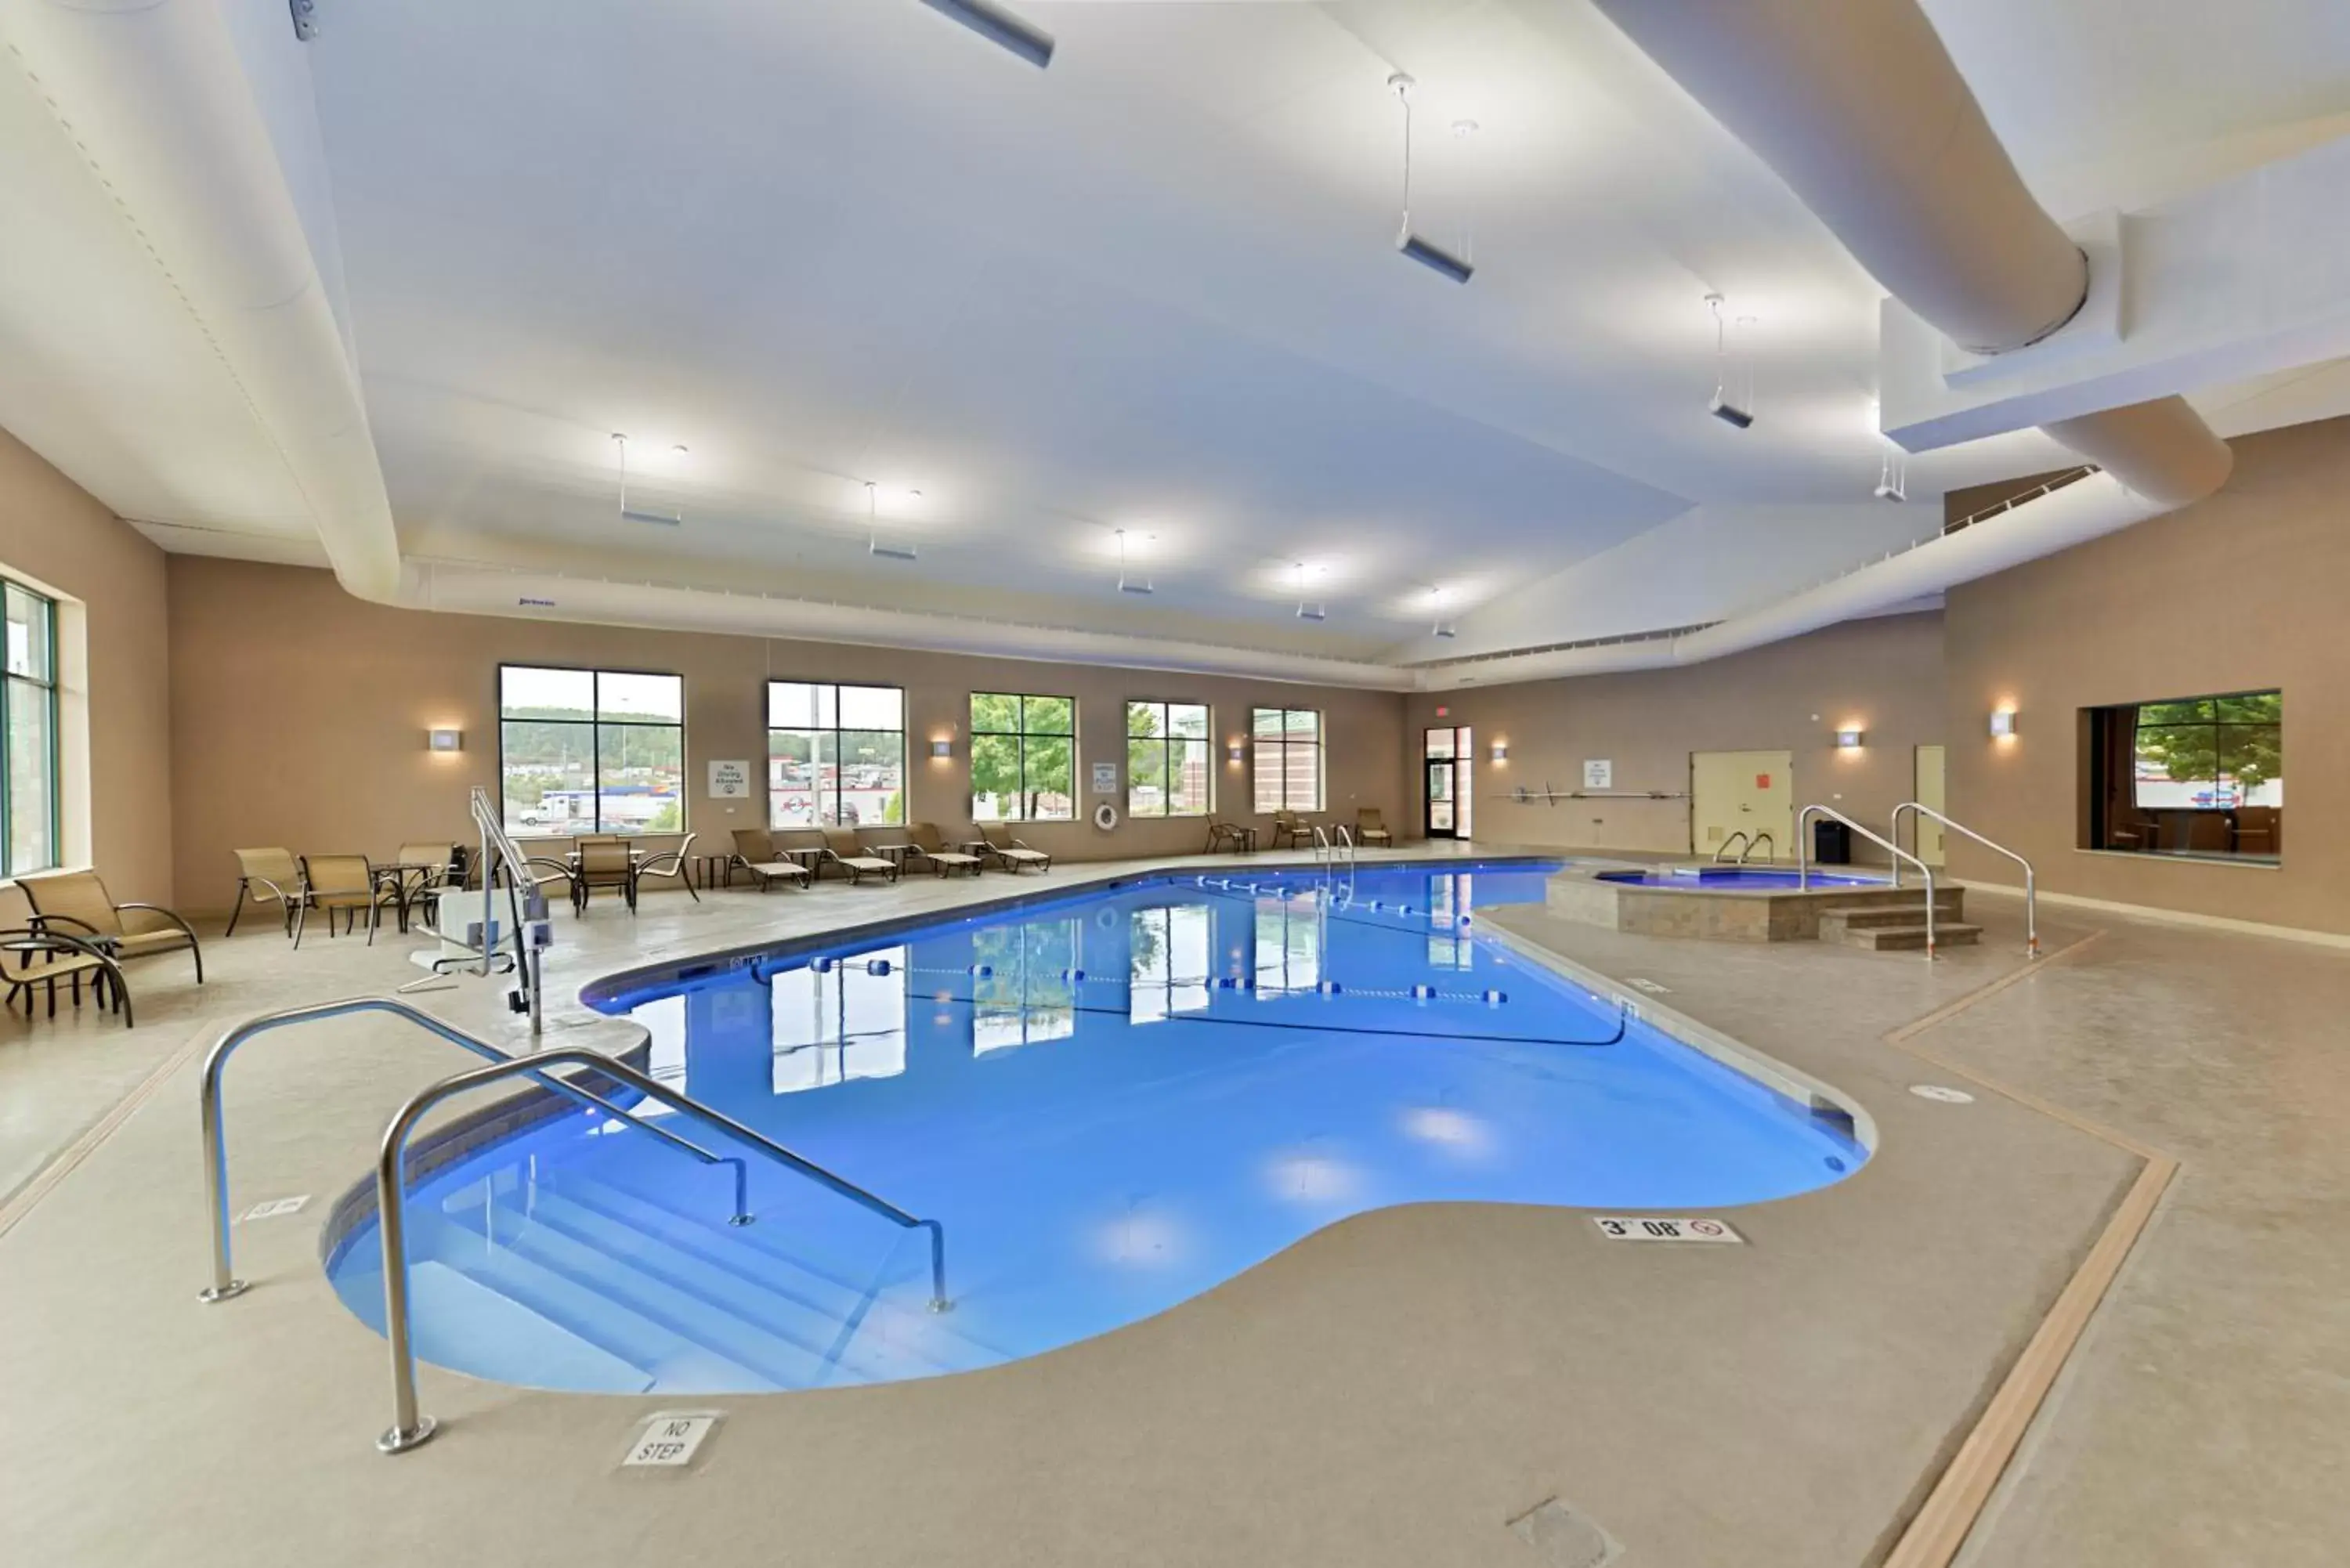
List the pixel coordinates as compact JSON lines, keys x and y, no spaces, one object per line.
{"x":444,"y":740}
{"x":1234,"y":753}
{"x":941,"y":748}
{"x":2002,"y":722}
{"x":1848,"y":739}
{"x":1501,"y":751}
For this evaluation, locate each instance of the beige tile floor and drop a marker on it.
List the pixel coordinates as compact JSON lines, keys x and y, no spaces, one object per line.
{"x":1392,"y":1390}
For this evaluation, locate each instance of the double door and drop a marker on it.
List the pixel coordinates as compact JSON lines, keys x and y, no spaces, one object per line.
{"x":1445,"y":763}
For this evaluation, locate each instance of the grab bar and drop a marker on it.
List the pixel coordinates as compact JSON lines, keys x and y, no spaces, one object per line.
{"x":1755,"y":843}
{"x":1803,"y":860}
{"x":2031,"y":894}
{"x":1348,"y":834}
{"x":412,"y":1429}
{"x":1321,"y":843}
{"x":1721,"y":851}
{"x":225,"y":1283}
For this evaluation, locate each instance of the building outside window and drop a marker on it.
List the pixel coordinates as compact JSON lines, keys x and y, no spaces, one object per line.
{"x":29,"y":727}
{"x":590,"y":751}
{"x":1167,"y":762}
{"x":1023,"y":758}
{"x":1288,"y":759}
{"x":836,"y":755}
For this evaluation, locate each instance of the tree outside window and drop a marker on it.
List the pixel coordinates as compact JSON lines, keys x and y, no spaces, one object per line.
{"x":1167,"y":763}
{"x":2211,"y":754}
{"x":590,"y":751}
{"x":1288,"y":759}
{"x":1023,"y":757}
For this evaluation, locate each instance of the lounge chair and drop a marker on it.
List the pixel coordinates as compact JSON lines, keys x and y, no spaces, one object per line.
{"x":843,"y":848}
{"x":1220,"y":833}
{"x":344,"y":883}
{"x":923,"y":841}
{"x":33,"y":956}
{"x":603,"y":863}
{"x":1290,"y":827}
{"x":755,"y":852}
{"x":75,"y":904}
{"x":267,"y":876}
{"x":1011,"y":852}
{"x":1370,"y":829}
{"x":668,"y":863}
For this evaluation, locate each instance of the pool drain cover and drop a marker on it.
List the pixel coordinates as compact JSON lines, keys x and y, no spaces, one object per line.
{"x":1564,"y":1538}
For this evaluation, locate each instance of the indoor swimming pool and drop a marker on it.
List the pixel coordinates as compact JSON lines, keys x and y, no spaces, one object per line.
{"x":1109,"y":1102}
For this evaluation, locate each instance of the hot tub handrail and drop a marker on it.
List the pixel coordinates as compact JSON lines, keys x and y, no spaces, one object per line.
{"x":1755,"y":843}
{"x":225,"y":1284}
{"x":2031,"y":892}
{"x":1803,"y":859}
{"x":409,"y":1428}
{"x":1721,"y":850}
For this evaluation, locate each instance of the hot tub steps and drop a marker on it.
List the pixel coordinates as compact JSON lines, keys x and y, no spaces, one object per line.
{"x":1896,"y":928}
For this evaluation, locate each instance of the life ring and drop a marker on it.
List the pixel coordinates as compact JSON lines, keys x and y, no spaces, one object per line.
{"x":1105,"y":816}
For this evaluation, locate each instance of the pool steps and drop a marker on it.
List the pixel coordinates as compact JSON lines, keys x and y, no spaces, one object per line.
{"x":1899,"y":928}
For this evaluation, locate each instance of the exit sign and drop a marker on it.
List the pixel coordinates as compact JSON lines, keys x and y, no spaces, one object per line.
{"x":1442,"y":711}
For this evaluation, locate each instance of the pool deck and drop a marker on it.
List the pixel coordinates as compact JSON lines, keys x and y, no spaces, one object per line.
{"x":1393,"y":1390}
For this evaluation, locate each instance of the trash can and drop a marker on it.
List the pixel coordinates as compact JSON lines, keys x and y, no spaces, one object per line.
{"x":1831,"y":842}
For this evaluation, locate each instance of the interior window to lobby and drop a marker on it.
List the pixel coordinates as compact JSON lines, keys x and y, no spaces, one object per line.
{"x":2201,"y":777}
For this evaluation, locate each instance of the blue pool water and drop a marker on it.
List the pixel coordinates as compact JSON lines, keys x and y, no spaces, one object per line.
{"x":1111,"y":1102}
{"x":1735,"y":878}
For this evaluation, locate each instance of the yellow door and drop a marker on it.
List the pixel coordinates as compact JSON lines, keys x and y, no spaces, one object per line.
{"x":1752,"y":792}
{"x":1929,"y":792}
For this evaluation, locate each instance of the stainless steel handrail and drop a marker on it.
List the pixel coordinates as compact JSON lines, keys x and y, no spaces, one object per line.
{"x":1347,"y":835}
{"x":1803,"y":859}
{"x":225,"y":1283}
{"x":409,"y":1427}
{"x":1721,"y":850}
{"x":1755,"y":843}
{"x":501,"y":853}
{"x":2031,"y":887}
{"x":1321,"y":843}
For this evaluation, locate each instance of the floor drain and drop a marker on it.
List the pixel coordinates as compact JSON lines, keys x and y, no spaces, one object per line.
{"x":1564,"y":1538}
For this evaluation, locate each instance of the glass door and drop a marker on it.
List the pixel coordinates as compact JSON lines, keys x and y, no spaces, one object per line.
{"x":1444,"y":765}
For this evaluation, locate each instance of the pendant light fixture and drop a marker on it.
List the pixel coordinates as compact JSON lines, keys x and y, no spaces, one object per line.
{"x":1425,"y":252}
{"x":1893,"y":474}
{"x":1000,"y":26}
{"x":873,"y":545}
{"x":1315,"y":610}
{"x":1442,"y":628}
{"x":1724,"y":407}
{"x":635,"y":514}
{"x":1127,"y":585}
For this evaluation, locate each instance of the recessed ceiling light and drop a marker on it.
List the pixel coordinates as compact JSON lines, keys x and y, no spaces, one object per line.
{"x":1000,"y":26}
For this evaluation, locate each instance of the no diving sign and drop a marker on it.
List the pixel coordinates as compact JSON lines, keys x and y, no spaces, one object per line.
{"x":1627,"y":1228}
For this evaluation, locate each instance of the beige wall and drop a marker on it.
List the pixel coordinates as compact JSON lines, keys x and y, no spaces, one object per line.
{"x":2247,"y":590}
{"x":55,"y":535}
{"x":1884,"y":675}
{"x":301,"y":714}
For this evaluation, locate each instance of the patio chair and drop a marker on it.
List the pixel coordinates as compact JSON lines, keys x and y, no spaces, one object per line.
{"x":338,"y":883}
{"x":668,"y":863}
{"x":755,"y":852}
{"x":603,"y":863}
{"x":78,"y":902}
{"x":1370,"y":829}
{"x":1220,"y":833}
{"x":267,"y":876}
{"x":843,"y":848}
{"x":411,"y":890}
{"x":1011,"y":852}
{"x":32,"y":956}
{"x":924,"y":842}
{"x":1290,"y":827}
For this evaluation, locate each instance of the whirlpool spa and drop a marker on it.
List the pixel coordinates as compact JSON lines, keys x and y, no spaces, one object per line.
{"x":1102,"y":1104}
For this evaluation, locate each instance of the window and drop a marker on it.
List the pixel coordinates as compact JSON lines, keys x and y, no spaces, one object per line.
{"x":591,"y":751}
{"x":29,"y":727}
{"x":1167,"y":767}
{"x":1288,"y":759}
{"x":2199,"y":776}
{"x":836,"y":755}
{"x":1023,"y":758}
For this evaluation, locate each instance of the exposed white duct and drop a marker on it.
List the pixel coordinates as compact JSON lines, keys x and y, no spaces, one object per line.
{"x":2057,"y":521}
{"x":1858,"y":106}
{"x":154,"y":95}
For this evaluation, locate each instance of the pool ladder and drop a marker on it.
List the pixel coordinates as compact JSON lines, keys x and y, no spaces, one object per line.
{"x":1754,"y":841}
{"x":411,"y":1429}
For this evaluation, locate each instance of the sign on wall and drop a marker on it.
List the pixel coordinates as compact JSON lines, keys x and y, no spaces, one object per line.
{"x":730,"y":781}
{"x":1598,"y":772}
{"x":1105,"y":778}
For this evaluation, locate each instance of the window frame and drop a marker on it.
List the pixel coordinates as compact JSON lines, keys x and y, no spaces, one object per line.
{"x":596,"y":723}
{"x":11,"y":685}
{"x":1166,"y":740}
{"x":836,"y":729}
{"x":1286,"y":747}
{"x":1020,"y":737}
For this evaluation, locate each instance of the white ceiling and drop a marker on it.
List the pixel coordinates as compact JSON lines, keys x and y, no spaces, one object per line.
{"x":822,"y":242}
